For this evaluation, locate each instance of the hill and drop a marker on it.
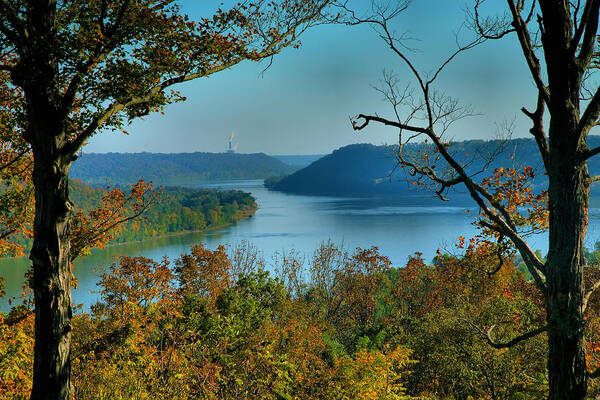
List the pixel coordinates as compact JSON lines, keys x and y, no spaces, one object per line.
{"x":363,"y":169}
{"x":171,"y":169}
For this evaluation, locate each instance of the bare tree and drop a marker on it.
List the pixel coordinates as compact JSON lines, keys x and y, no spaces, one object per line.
{"x":559,"y":41}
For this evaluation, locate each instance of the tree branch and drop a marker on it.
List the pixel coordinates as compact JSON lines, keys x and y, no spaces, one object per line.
{"x":14,"y":160}
{"x":589,"y":21}
{"x":17,"y":32}
{"x":589,"y":118}
{"x":492,"y":29}
{"x":500,"y":217}
{"x":72,"y":147}
{"x":76,"y":252}
{"x":504,"y":226}
{"x":525,"y":40}
{"x":532,"y":262}
{"x":271,"y":49}
{"x":538,"y":129}
{"x":488,"y":335}
{"x":107,"y":43}
{"x":369,"y":118}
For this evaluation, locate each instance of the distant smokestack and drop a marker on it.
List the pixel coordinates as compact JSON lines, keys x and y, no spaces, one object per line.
{"x":232,"y":148}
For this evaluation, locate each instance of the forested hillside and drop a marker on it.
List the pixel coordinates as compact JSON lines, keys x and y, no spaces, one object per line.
{"x":337,"y":325}
{"x":181,"y":209}
{"x":171,"y":169}
{"x":366,"y":168}
{"x":176,"y":209}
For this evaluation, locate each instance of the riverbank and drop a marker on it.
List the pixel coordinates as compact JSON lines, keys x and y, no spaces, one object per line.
{"x":238,"y":216}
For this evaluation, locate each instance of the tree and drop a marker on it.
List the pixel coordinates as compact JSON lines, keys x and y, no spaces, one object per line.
{"x":559,"y":41}
{"x":80,"y":66}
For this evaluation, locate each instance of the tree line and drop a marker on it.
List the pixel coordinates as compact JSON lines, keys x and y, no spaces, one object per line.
{"x":167,"y":210}
{"x":214,"y":324}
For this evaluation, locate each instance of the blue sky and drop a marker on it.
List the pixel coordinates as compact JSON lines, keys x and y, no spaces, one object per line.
{"x":302,"y":103}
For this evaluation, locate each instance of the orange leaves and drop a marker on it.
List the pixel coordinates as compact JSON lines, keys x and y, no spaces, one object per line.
{"x":512,"y":189}
{"x":204,"y":272}
{"x":136,"y":280}
{"x":97,"y":227}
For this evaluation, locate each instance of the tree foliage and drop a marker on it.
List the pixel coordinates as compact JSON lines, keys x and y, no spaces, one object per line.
{"x":353,"y":327}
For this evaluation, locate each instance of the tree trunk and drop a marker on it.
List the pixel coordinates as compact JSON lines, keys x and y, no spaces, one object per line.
{"x":51,"y":277}
{"x":37,"y":73}
{"x":568,"y":195}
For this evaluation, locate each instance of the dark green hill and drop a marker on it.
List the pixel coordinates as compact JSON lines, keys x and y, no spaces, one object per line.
{"x":351,"y":169}
{"x":170,"y":169}
{"x":363,"y":169}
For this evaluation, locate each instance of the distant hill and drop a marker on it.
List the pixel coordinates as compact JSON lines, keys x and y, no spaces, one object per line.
{"x":362,"y":169}
{"x":299,"y":161}
{"x":170,"y":169}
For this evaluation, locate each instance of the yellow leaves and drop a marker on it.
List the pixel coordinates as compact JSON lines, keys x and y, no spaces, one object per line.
{"x":16,"y":355}
{"x":372,"y":375}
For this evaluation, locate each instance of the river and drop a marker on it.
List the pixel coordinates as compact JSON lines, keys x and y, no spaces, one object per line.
{"x":399,"y":227}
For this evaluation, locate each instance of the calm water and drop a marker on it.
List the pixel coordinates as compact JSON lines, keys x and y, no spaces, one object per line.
{"x":399,"y":227}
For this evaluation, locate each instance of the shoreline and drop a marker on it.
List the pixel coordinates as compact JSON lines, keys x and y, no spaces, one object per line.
{"x":245,"y":214}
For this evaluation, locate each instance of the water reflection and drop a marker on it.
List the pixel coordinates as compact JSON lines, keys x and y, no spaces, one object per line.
{"x":398,"y":226}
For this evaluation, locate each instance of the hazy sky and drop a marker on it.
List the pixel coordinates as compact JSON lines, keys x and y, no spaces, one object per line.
{"x":302,"y":103}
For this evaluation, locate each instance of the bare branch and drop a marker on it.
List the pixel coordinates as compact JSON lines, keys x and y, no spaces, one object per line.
{"x":369,"y":118}
{"x":538,"y":129}
{"x":526,"y":46}
{"x":589,"y":21}
{"x":489,"y":28}
{"x":460,"y":49}
{"x":501,"y":220}
{"x":528,"y":335}
{"x":478,"y":193}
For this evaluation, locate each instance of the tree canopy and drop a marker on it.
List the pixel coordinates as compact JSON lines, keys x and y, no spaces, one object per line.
{"x":72,"y":68}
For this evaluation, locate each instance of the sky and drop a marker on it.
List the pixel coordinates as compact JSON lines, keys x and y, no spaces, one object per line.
{"x":302,"y":104}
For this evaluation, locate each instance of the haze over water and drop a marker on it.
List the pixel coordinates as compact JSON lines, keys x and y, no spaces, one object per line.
{"x":399,"y":227}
